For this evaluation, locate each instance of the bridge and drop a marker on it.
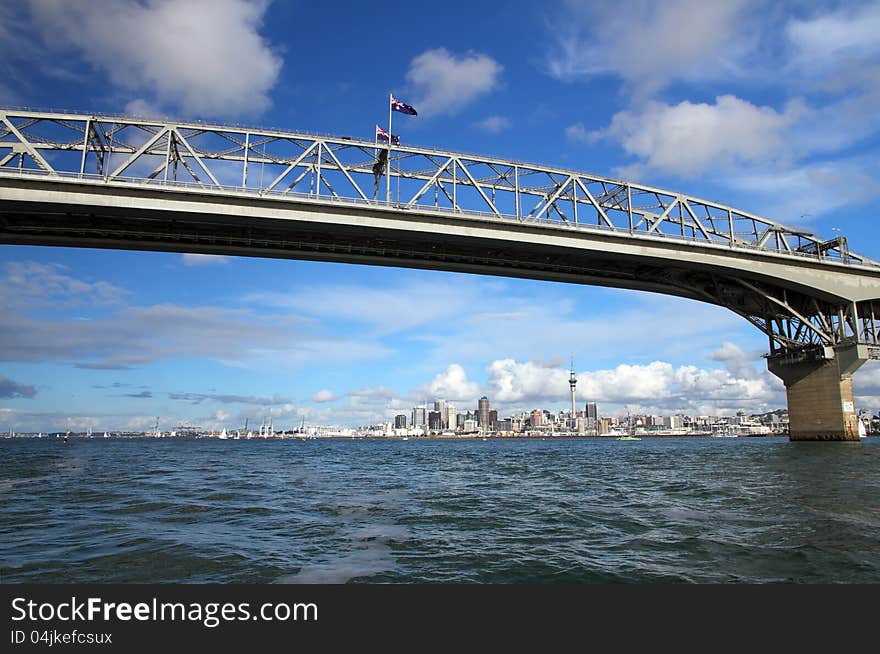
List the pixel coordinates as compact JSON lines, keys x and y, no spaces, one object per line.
{"x":122,"y":182}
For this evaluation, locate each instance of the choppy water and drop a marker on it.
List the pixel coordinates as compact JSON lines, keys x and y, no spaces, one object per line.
{"x":570,"y":511}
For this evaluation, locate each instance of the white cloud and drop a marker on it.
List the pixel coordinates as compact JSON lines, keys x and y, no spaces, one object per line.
{"x":688,"y":139}
{"x":494,"y":124}
{"x":446,"y":83}
{"x":324,"y":395}
{"x":451,"y":384}
{"x":659,"y":385}
{"x":29,"y":282}
{"x":650,"y":44}
{"x":196,"y":259}
{"x":579,"y":134}
{"x":737,"y":362}
{"x":830,"y":43}
{"x":793,"y":195}
{"x":202,"y":56}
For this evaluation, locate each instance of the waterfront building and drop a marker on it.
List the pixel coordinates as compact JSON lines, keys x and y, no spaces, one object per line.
{"x":419,"y":416}
{"x":440,"y":407}
{"x":451,"y":420}
{"x":469,"y":426}
{"x":435,"y":421}
{"x":537,"y":418}
{"x":400,"y":421}
{"x":483,"y":410}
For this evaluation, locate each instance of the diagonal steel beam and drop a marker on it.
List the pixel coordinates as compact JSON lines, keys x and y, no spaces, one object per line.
{"x":29,"y":148}
{"x":196,"y":157}
{"x":477,"y":186}
{"x":345,"y":172}
{"x":595,"y":204}
{"x":135,"y":155}
{"x":293,"y":165}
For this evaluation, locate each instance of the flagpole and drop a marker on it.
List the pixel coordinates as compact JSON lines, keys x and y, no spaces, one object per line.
{"x":388,"y":163}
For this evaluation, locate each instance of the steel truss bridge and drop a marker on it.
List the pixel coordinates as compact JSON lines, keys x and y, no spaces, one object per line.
{"x":124,"y":182}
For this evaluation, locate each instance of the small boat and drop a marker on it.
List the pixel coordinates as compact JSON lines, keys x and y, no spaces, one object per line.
{"x":628,"y":438}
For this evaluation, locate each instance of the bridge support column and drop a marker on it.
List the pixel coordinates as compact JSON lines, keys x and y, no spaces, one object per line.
{"x":820,"y":392}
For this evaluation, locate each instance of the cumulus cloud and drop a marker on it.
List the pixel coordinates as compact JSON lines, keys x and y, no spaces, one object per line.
{"x":658,"y":384}
{"x":12,"y":389}
{"x":737,"y":362}
{"x":649,"y":44}
{"x":451,"y":384}
{"x":202,"y":56}
{"x":446,"y":83}
{"x":690,"y":138}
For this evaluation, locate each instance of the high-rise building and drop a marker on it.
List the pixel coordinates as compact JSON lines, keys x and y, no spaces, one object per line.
{"x":572,"y":382}
{"x":592,"y":418}
{"x":419,"y":416}
{"x":483,"y":410}
{"x":400,"y":421}
{"x":493,"y":418}
{"x":435,"y":420}
{"x":537,"y":418}
{"x":451,"y":417}
{"x":440,"y":407}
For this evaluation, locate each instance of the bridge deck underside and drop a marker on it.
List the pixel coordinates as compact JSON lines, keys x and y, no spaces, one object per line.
{"x":791,"y":315}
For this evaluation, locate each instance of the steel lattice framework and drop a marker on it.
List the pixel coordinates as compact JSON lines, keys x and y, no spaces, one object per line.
{"x":281,"y":165}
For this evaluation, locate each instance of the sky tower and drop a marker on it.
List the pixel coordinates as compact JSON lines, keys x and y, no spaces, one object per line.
{"x":572,"y":382}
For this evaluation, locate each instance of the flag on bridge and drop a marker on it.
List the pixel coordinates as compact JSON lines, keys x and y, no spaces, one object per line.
{"x":402,"y":107}
{"x":382,"y":136}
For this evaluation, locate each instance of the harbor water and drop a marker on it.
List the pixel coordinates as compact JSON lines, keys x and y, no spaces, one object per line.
{"x":659,"y":510}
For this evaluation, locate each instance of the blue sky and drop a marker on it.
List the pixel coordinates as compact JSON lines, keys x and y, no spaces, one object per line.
{"x":767,"y":106}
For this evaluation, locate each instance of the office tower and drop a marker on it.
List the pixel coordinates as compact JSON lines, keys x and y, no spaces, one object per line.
{"x":537,"y":418}
{"x":434,"y":420}
{"x":419,"y":416}
{"x":483,"y":410}
{"x":493,"y":418}
{"x":440,"y":407}
{"x":400,"y":421}
{"x":592,"y":416}
{"x":451,"y":417}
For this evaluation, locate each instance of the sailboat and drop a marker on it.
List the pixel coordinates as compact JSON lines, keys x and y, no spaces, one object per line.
{"x":863,"y":433}
{"x":223,"y":435}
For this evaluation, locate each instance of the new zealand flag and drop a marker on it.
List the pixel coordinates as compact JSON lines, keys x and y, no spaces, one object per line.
{"x":402,"y":107}
{"x":382,"y":136}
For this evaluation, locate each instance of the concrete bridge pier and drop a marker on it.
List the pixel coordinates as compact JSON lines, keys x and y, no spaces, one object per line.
{"x":820,"y":392}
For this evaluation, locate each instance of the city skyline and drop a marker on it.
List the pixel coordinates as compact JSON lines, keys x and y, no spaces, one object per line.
{"x":97,"y":338}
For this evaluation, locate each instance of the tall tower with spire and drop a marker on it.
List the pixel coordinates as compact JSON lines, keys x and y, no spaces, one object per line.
{"x":572,"y":382}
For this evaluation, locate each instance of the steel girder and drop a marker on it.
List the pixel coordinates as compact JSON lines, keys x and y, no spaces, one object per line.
{"x":281,"y":164}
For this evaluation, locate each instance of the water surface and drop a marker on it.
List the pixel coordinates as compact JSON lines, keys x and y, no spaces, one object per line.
{"x":677,"y":510}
